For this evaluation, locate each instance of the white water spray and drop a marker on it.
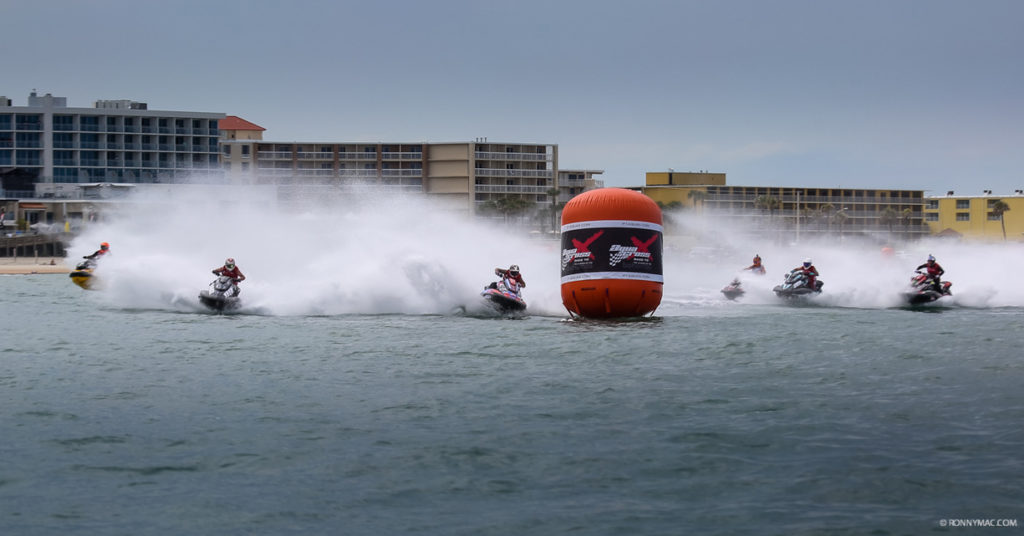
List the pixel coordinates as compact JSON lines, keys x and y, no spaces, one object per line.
{"x":388,"y":255}
{"x":407,"y":255}
{"x":856,"y":272}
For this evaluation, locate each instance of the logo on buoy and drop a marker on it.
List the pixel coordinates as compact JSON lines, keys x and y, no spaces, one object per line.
{"x":638,"y":252}
{"x":579,"y":251}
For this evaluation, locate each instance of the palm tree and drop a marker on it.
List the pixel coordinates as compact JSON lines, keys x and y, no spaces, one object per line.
{"x":999,"y":208}
{"x":825,"y":214}
{"x":840,"y":217}
{"x":555,"y":207}
{"x":767,"y":202}
{"x":697,"y":195}
{"x":889,"y":217}
{"x":506,"y":206}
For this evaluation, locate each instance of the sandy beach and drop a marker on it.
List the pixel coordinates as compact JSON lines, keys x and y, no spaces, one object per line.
{"x":33,"y":265}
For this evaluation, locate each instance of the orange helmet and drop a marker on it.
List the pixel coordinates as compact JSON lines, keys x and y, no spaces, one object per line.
{"x":104,"y":245}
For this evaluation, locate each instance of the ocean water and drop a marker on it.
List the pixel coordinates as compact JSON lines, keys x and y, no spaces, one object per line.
{"x":365,"y":389}
{"x":712,"y":417}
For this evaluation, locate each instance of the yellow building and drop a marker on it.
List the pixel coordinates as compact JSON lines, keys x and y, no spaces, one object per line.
{"x":811,"y":211}
{"x":972,"y":217}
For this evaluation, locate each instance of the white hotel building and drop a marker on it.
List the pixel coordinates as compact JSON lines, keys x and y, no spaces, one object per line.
{"x":115,"y":141}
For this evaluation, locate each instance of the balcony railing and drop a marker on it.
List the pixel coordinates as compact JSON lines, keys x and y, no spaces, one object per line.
{"x":357,"y":156}
{"x":523,"y":173}
{"x":517,"y":189}
{"x":274,"y":155}
{"x":817,"y":199}
{"x":528,"y":157}
{"x":313,"y":155}
{"x":401,"y":156}
{"x":401,"y":172}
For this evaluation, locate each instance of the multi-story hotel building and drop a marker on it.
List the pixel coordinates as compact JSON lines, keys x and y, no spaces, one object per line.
{"x":465,"y":176}
{"x":47,"y":144}
{"x":974,"y":217}
{"x":811,"y":211}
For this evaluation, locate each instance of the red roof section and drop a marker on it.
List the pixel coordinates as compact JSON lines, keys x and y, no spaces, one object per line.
{"x":233,"y":122}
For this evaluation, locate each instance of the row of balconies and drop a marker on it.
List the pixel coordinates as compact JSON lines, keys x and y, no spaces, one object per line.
{"x":132,"y":130}
{"x":281,"y":172}
{"x":324,"y":155}
{"x":514,"y":188}
{"x":804,"y":215}
{"x":749,"y":198}
{"x":138,"y":147}
{"x":522,"y":173}
{"x":138,"y":164}
{"x":530,"y":157}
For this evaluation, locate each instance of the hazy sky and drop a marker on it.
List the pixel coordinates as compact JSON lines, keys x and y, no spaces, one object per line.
{"x":920,"y":94}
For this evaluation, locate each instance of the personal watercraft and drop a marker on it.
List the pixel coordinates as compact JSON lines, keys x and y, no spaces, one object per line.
{"x":505,"y":296}
{"x":83,"y":275}
{"x":796,"y":286}
{"x":733,"y":290}
{"x":224,"y":295}
{"x":923,"y":289}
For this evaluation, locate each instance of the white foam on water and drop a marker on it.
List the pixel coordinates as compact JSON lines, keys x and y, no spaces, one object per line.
{"x":856,"y":271}
{"x":369,"y":256}
{"x":380,"y":254}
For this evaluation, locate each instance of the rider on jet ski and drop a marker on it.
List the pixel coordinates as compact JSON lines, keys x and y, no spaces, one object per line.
{"x":756,"y":268}
{"x":104,"y":249}
{"x":511,"y":273}
{"x":934,"y":272}
{"x":808,"y":269}
{"x":229,"y":269}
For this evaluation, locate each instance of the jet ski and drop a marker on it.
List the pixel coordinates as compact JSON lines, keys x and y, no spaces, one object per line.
{"x":924,"y":290}
{"x":504,"y":296}
{"x":795,"y":286}
{"x":223,"y":297}
{"x":83,"y":275}
{"x":733,"y":290}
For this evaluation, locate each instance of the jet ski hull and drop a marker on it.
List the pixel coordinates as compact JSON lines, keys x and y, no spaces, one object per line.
{"x":84,"y":279}
{"x":922,"y":297}
{"x":219,"y":302}
{"x":503,"y":301}
{"x":732,"y":292}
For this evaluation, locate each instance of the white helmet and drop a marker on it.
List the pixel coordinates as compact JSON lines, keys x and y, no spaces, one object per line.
{"x":807,"y":262}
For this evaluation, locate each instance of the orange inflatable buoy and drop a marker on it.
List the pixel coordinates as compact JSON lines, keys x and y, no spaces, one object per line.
{"x":611,"y":254}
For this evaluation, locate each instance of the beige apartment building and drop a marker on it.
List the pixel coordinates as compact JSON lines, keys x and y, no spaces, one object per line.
{"x":463,"y":176}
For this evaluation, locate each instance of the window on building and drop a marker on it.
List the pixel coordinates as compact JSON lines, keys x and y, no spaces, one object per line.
{"x":963,"y":216}
{"x":245,"y":166}
{"x":992,"y":216}
{"x":227,"y":150}
{"x":933,"y":204}
{"x":29,"y":122}
{"x":245,"y":150}
{"x":63,"y":122}
{"x":963,"y":204}
{"x":931,"y":216}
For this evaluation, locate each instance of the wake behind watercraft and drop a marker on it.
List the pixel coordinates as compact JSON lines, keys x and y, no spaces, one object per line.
{"x":796,"y":286}
{"x":925,"y":289}
{"x":505,"y":296}
{"x":223,"y":297}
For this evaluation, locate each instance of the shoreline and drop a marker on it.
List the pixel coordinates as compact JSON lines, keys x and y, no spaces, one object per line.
{"x":33,"y":265}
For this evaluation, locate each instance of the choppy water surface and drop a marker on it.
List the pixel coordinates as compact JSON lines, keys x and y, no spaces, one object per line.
{"x":711,"y":418}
